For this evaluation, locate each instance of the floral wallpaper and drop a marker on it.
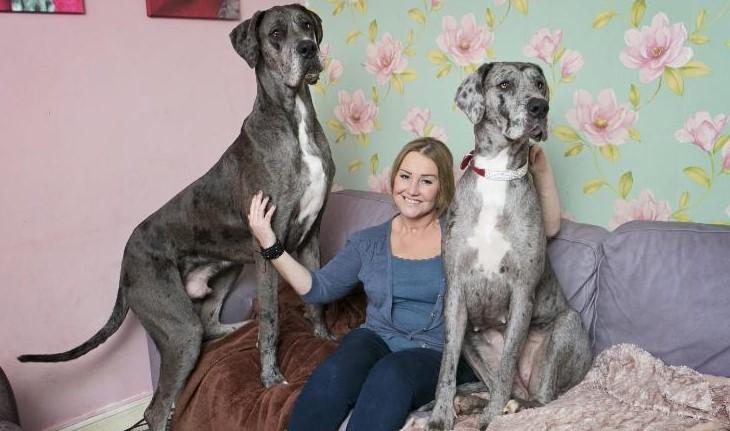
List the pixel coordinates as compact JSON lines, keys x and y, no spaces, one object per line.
{"x":639,"y":94}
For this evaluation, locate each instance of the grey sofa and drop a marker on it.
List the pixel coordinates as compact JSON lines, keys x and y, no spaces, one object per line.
{"x":662,"y":286}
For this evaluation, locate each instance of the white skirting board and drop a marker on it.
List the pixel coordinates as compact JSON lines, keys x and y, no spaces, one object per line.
{"x":115,"y":419}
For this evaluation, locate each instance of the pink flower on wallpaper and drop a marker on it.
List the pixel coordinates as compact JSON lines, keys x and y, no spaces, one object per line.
{"x":380,"y":183}
{"x":435,"y":4}
{"x":385,"y":59}
{"x":356,"y":113}
{"x":726,"y":157}
{"x":570,"y":63}
{"x":543,"y":44}
{"x":603,"y":121}
{"x":417,"y":121}
{"x":651,"y":49}
{"x":464,"y":42}
{"x":324,"y":51}
{"x":334,"y":70}
{"x":642,"y":208}
{"x":702,"y":130}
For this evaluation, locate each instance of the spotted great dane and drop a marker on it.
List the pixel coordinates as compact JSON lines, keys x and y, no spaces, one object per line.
{"x":170,"y":256}
{"x":504,"y":308}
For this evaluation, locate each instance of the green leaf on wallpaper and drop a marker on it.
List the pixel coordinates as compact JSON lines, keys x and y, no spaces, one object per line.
{"x":443,"y":70}
{"x":376,"y":124}
{"x":625,"y":183}
{"x":634,"y":96}
{"x":489,"y":18}
{"x":574,"y":150}
{"x":521,"y":6}
{"x":603,"y":18}
{"x":567,"y":79}
{"x":694,"y":69}
{"x":408,"y":74}
{"x":319,"y":88}
{"x":609,"y":152}
{"x":637,"y":12}
{"x":566,"y":134}
{"x":361,"y":6}
{"x":680,"y":216}
{"x":727,"y":43}
{"x":372,"y":30}
{"x":340,"y":137}
{"x":417,"y":15}
{"x":340,"y":6}
{"x":593,"y":186}
{"x":375,"y":95}
{"x":634,"y":134}
{"x":491,"y":53}
{"x":674,"y":80}
{"x":374,"y":159}
{"x":363,"y":139}
{"x":470,"y":68}
{"x":428,"y":129}
{"x":558,"y":54}
{"x":335,"y":125}
{"x":683,"y":200}
{"x":436,"y":56}
{"x":410,"y":37}
{"x":354,"y":166}
{"x":410,"y":51}
{"x":719,"y":143}
{"x":397,"y":83}
{"x":698,"y":39}
{"x":352,"y":36}
{"x":698,"y":175}
{"x":700,"y":20}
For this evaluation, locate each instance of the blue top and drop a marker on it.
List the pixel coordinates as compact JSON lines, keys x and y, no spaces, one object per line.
{"x":367,"y":258}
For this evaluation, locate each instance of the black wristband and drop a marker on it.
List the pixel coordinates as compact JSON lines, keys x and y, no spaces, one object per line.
{"x":272,"y":252}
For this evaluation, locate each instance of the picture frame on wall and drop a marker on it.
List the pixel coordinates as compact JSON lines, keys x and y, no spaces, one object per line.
{"x":200,"y":9}
{"x":43,"y":6}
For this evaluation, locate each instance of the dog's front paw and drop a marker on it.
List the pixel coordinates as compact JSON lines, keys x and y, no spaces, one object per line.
{"x":492,"y":411}
{"x":321,"y":331}
{"x":272,"y":377}
{"x":442,"y":417}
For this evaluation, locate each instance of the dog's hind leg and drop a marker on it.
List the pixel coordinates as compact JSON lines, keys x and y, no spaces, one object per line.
{"x":210,"y":309}
{"x":566,"y":359}
{"x":166,"y":312}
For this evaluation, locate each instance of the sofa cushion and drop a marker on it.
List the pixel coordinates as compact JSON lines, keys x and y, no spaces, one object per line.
{"x":666,"y":287}
{"x":574,"y":254}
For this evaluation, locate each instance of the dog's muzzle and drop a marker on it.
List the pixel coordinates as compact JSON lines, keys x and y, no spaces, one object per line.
{"x":537,"y":109}
{"x":309,"y":51}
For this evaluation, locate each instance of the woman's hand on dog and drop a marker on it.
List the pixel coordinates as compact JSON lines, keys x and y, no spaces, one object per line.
{"x":259,"y":220}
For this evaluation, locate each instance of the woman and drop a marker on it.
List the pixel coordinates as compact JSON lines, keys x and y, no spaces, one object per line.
{"x":390,"y":365}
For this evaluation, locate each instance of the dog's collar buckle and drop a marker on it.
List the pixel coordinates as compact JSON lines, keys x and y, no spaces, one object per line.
{"x":507,"y":175}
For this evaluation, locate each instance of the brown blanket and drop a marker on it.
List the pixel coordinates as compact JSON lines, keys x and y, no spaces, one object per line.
{"x":224,"y":391}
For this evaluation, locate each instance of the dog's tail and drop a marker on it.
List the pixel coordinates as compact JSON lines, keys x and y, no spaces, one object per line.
{"x":112,"y":325}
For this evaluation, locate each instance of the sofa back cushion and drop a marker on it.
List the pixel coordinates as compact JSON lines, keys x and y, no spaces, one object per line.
{"x":575,"y":253}
{"x":347,"y":212}
{"x":666,"y":287}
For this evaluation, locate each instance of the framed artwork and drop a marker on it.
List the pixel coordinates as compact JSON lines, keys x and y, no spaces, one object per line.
{"x":205,"y":9}
{"x":42,"y":6}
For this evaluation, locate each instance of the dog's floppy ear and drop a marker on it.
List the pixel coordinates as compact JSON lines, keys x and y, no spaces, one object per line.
{"x":470,"y":94}
{"x":315,"y":17}
{"x":245,"y":39}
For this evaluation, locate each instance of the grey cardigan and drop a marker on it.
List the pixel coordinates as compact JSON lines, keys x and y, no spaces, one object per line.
{"x":366,"y":258}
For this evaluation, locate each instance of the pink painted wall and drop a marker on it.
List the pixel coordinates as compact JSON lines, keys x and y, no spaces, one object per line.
{"x":103,"y":118}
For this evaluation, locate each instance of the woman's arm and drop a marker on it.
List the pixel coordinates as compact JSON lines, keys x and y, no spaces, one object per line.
{"x":259,"y":220}
{"x":547,"y":190}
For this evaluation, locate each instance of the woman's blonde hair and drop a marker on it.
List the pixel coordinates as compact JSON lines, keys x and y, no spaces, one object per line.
{"x":440,"y":155}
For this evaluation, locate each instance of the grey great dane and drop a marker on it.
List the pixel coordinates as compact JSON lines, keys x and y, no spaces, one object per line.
{"x":170,"y":256}
{"x":504,"y":308}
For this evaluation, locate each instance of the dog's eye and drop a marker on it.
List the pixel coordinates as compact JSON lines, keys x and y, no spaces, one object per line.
{"x":307,"y":25}
{"x":276,"y":34}
{"x":540,"y":85}
{"x":505,"y":85}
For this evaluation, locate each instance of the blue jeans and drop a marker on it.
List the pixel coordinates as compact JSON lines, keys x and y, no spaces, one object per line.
{"x":379,"y":386}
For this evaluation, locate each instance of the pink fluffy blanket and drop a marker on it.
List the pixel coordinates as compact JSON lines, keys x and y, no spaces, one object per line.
{"x":626,"y":389}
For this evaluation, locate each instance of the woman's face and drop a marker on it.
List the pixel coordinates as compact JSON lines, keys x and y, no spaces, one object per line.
{"x":416,"y":186}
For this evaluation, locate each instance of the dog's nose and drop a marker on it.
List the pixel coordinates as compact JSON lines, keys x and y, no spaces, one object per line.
{"x":307,"y":48}
{"x":537,"y":108}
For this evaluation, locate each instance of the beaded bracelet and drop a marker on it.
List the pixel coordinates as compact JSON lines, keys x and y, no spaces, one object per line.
{"x":272,"y":252}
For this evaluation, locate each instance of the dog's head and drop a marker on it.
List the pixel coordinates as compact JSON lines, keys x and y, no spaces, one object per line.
{"x":513,"y":97}
{"x":285,"y":40}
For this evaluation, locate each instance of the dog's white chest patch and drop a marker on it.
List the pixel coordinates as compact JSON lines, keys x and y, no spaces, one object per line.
{"x":490,"y":243}
{"x":313,"y":197}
